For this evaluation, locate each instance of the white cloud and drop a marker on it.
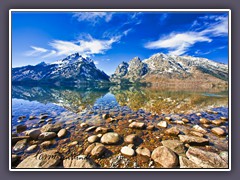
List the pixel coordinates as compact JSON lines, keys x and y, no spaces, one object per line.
{"x":36,"y":51}
{"x":127,"y":31}
{"x":219,"y":28}
{"x":86,"y":47}
{"x":51,"y":53}
{"x":179,"y":43}
{"x":93,"y":17}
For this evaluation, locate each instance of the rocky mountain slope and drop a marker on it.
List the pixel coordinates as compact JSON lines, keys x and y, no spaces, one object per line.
{"x":170,"y":69}
{"x":73,"y":69}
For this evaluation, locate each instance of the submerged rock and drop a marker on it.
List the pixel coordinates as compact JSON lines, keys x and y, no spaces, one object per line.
{"x":92,"y":128}
{"x":47,"y":159}
{"x":62,"y":133}
{"x":21,"y":128}
{"x":199,"y":129}
{"x":195,"y":133}
{"x":110,"y":138}
{"x":127,"y":151}
{"x":98,"y":150}
{"x":193,"y":140}
{"x":165,"y":157}
{"x":205,"y":159}
{"x":51,"y":128}
{"x":32,"y":148}
{"x":132,"y":138}
{"x":218,"y":122}
{"x":102,"y":130}
{"x":175,"y":145}
{"x":218,"y":131}
{"x":81,"y":161}
{"x":137,"y":125}
{"x":33,"y":133}
{"x":204,"y":121}
{"x":93,"y":138}
{"x":173,"y":131}
{"x":20,"y":145}
{"x":162,"y":124}
{"x":74,"y":143}
{"x":47,"y":135}
{"x":46,"y":144}
{"x":84,"y":125}
{"x":143,"y":151}
{"x":186,"y":163}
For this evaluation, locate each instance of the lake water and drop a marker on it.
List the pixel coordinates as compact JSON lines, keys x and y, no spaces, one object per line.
{"x":70,"y":107}
{"x":66,"y":104}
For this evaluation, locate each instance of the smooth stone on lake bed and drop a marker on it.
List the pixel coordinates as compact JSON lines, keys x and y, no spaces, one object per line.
{"x":131,"y":138}
{"x":162,"y":124}
{"x":92,"y":128}
{"x":218,"y":131}
{"x":224,"y":118}
{"x":198,"y":114}
{"x":204,"y":121}
{"x":137,"y":125}
{"x":51,"y":128}
{"x":32,"y":117}
{"x":18,"y":138}
{"x":62,"y":133}
{"x":195,"y":133}
{"x":218,"y":122}
{"x":46,"y":144}
{"x":84,"y":125}
{"x":21,"y":128}
{"x":150,"y":127}
{"x":110,"y":138}
{"x":47,"y":135}
{"x":93,"y":138}
{"x":98,"y":150}
{"x":102,"y":130}
{"x":143,"y":151}
{"x":199,"y":129}
{"x":127,"y":151}
{"x":168,"y":118}
{"x":165,"y":157}
{"x":173,"y":131}
{"x":33,"y":133}
{"x":46,"y":159}
{"x":31,"y":148}
{"x":193,"y":140}
{"x":20,"y":145}
{"x":185,"y":120}
{"x":74,"y":143}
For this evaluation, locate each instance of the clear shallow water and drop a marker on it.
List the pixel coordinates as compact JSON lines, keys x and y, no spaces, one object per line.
{"x":88,"y":104}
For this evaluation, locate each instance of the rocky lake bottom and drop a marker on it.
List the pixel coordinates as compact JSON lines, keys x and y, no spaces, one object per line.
{"x":116,"y":128}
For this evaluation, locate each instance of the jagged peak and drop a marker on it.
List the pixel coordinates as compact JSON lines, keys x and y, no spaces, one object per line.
{"x":41,"y":64}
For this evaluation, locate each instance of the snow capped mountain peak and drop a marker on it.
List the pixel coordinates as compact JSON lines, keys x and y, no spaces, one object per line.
{"x":73,"y":58}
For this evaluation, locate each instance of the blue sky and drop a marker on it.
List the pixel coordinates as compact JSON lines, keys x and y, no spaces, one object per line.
{"x":112,"y":37}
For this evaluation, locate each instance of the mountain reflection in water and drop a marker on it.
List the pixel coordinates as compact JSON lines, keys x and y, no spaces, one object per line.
{"x":152,"y":100}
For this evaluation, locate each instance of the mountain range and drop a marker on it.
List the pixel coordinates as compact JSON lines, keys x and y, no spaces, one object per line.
{"x":159,"y":68}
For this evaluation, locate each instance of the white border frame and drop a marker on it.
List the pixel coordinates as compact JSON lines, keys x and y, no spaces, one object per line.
{"x":119,"y":10}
